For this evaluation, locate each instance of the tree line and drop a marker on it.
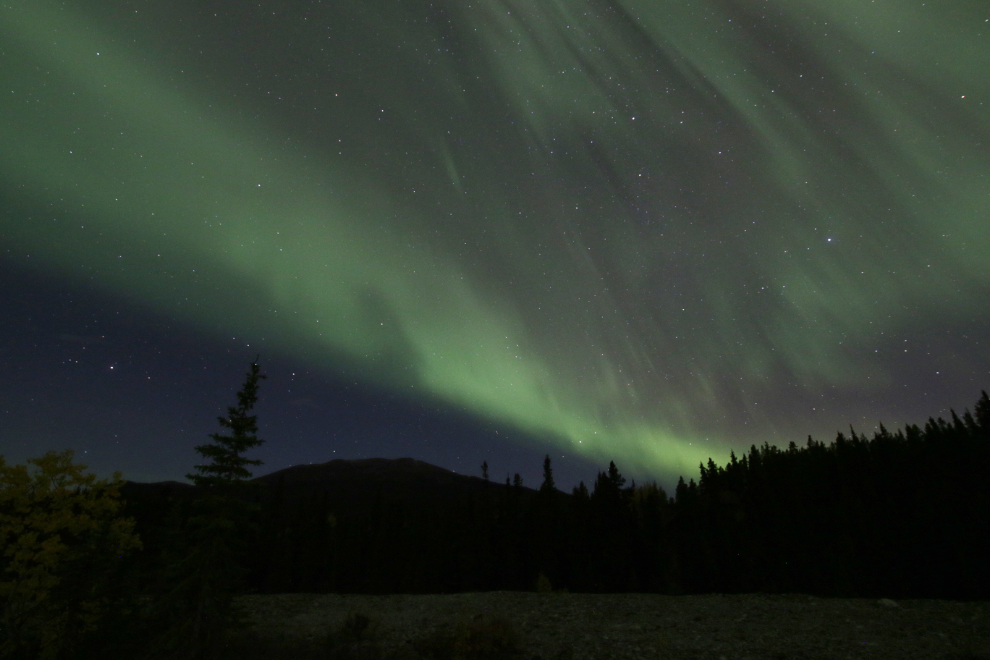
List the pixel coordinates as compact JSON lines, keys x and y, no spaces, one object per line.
{"x":898,"y":515}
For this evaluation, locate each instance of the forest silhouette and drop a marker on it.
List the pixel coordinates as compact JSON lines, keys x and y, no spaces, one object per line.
{"x":900,"y":515}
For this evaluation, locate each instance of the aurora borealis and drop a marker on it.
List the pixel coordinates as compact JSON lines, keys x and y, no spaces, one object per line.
{"x":647,"y":232}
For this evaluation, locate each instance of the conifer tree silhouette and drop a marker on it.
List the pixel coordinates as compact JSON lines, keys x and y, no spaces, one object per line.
{"x":983,"y":413}
{"x":547,"y":485}
{"x":206,"y":569}
{"x":227,"y":467}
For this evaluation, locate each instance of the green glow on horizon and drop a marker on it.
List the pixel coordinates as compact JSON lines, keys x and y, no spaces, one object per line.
{"x":542,"y":302}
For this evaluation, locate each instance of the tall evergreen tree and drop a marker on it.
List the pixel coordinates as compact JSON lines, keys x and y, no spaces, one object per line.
{"x":484,"y":470}
{"x":983,"y":413}
{"x":548,"y":543}
{"x":206,"y":567}
{"x":227,"y":466}
{"x":547,"y":485}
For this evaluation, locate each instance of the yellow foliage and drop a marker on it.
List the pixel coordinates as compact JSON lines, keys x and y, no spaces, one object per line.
{"x":50,"y":519}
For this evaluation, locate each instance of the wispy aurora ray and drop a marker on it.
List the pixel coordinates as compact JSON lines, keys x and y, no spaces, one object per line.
{"x":648,"y":232}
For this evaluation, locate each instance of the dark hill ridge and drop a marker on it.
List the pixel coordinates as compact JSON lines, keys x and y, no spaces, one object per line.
{"x":352,"y":481}
{"x":359,"y":482}
{"x":369,"y":470}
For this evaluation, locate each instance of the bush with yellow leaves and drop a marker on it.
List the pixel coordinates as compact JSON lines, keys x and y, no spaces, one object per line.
{"x":61,"y":538}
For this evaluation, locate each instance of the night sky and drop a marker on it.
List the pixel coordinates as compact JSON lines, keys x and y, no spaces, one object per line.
{"x":640,"y":231}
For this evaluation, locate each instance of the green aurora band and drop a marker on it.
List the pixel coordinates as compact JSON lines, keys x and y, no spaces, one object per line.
{"x":624,"y":228}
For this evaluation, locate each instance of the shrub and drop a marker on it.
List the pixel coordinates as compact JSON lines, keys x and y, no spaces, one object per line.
{"x":61,"y":544}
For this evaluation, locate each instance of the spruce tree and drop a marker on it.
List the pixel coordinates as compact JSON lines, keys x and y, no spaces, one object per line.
{"x":983,"y":413}
{"x":205,"y":568}
{"x":547,"y":485}
{"x":227,"y":467}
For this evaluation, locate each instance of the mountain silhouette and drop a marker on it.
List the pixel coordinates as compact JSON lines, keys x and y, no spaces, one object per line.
{"x":372,"y":525}
{"x":351,"y":482}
